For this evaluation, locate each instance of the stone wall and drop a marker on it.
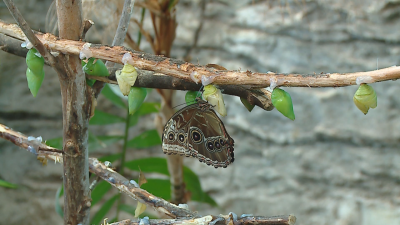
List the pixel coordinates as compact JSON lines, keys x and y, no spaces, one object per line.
{"x":332,"y":165}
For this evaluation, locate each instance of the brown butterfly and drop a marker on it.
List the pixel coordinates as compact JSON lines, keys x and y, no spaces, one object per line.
{"x":197,"y":131}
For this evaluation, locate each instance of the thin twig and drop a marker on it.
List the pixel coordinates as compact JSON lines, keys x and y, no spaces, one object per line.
{"x":122,"y":26}
{"x":104,"y":173}
{"x":198,"y":30}
{"x":28,"y":31}
{"x":118,"y":38}
{"x":124,"y":185}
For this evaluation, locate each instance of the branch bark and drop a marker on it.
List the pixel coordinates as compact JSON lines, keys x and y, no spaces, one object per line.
{"x":26,"y":29}
{"x":183,"y":70}
{"x":220,"y":220}
{"x":76,"y":103}
{"x":181,"y":215}
{"x":149,"y":79}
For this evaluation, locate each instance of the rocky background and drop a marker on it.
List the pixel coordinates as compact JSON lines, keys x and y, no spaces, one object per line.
{"x":332,"y":165}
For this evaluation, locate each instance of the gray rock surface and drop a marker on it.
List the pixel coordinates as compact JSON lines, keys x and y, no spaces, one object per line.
{"x":332,"y":165}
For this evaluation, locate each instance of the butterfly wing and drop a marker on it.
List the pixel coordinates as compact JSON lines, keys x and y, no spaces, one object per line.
{"x":208,"y":140}
{"x":174,"y":139}
{"x":197,"y":131}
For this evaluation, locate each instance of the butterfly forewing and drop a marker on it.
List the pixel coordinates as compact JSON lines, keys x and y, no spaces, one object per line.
{"x":197,"y":131}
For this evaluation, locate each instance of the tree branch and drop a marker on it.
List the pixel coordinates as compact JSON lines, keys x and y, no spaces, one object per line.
{"x":151,"y":79}
{"x":77,"y":103}
{"x":141,"y":195}
{"x":183,"y":70}
{"x":103,"y":172}
{"x":220,"y":220}
{"x":26,"y":29}
{"x":119,"y":37}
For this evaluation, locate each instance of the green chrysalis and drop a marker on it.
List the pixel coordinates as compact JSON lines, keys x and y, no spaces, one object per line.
{"x":136,"y":97}
{"x":283,"y":102}
{"x":365,"y":98}
{"x":95,"y":67}
{"x":34,"y":63}
{"x":190,"y":97}
{"x":34,"y":81}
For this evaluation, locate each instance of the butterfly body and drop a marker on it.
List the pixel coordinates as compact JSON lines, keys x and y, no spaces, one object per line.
{"x":197,"y":131}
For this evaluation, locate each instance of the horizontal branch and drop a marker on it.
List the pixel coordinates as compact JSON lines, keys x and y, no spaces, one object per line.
{"x":220,"y":220}
{"x":150,"y":79}
{"x":103,"y":172}
{"x":182,"y":70}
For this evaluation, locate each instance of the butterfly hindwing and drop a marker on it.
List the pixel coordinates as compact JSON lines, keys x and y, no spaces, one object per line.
{"x":197,"y":131}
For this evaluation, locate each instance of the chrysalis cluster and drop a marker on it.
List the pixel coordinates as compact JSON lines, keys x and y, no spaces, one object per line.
{"x":283,"y":102}
{"x":35,"y":71}
{"x":214,"y":96}
{"x":94,"y":67}
{"x":365,"y":98}
{"x":136,"y":98}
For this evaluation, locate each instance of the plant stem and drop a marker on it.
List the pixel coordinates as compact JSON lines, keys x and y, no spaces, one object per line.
{"x":122,"y":164}
{"x":141,"y":22}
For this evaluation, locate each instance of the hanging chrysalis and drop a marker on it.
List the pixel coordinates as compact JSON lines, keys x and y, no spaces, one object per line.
{"x":136,"y":98}
{"x":247,"y":104}
{"x":214,"y":96}
{"x":283,"y":102}
{"x":34,"y":81}
{"x":34,"y":72}
{"x":190,"y":97}
{"x":94,"y":67}
{"x":365,"y":98}
{"x":35,"y":61}
{"x":126,"y":78}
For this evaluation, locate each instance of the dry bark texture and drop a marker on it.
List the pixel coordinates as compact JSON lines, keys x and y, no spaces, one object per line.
{"x":333,"y":165}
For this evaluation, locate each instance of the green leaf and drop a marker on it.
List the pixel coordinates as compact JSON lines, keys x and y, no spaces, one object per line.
{"x":99,"y":191}
{"x":144,"y":140}
{"x":158,"y":187}
{"x":103,"y":118}
{"x":192,"y":182}
{"x":98,"y":217}
{"x":146,"y":108}
{"x":111,"y":158}
{"x":133,"y":119}
{"x":110,"y":95}
{"x":59,"y":195}
{"x":7,"y":184}
{"x":98,"y":142}
{"x":149,"y":107}
{"x":55,"y":143}
{"x":149,"y":165}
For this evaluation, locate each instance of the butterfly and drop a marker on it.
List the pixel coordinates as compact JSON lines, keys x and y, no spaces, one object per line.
{"x":196,"y":131}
